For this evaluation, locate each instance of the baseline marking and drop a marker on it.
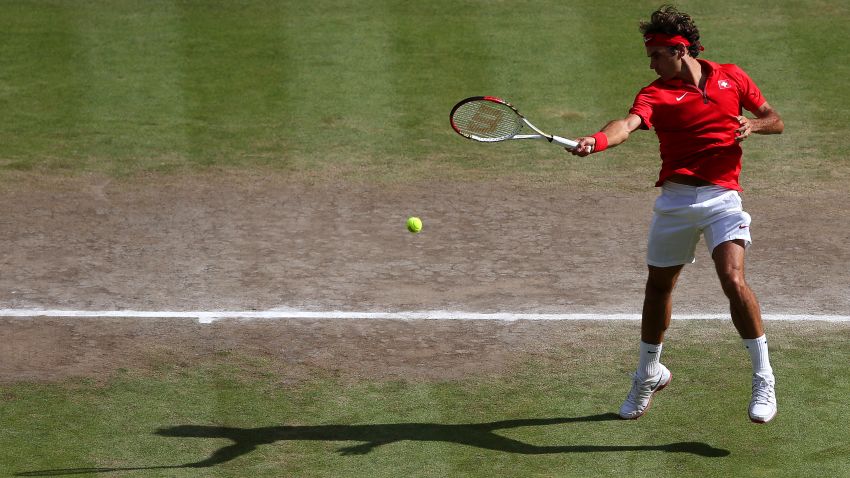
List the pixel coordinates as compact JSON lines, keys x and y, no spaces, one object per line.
{"x":206,"y":317}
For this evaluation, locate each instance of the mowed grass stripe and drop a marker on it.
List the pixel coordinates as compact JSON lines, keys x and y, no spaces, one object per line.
{"x":237,"y":65}
{"x":41,"y":94}
{"x":341,"y":83}
{"x":133,"y":109}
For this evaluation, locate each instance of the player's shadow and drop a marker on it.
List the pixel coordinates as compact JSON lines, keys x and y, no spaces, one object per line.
{"x":481,"y":435}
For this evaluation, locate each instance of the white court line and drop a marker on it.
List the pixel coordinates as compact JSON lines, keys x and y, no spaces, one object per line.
{"x":206,"y":317}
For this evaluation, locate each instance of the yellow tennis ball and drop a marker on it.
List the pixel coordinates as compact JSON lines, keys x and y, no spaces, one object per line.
{"x":414,"y":224}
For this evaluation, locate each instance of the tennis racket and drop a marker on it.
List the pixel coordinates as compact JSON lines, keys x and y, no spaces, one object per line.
{"x":489,"y":119}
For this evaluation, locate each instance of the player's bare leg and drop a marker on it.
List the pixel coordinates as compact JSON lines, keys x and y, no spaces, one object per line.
{"x":746,"y":315}
{"x":743,"y":305}
{"x":658,"y":303}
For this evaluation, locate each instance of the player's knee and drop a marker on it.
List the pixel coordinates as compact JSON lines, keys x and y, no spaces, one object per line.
{"x":734,"y":285}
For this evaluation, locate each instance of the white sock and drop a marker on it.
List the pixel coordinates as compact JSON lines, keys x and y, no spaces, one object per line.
{"x":758,"y":354}
{"x":650,"y":360}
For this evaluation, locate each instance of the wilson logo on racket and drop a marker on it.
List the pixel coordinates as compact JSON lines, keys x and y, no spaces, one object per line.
{"x":485,"y":120}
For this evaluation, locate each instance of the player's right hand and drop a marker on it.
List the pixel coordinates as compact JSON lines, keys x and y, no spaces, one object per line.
{"x":584,"y":147}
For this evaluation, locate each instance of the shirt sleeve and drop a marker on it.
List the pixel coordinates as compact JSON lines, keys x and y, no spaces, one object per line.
{"x":642,"y":107}
{"x":751,"y":97}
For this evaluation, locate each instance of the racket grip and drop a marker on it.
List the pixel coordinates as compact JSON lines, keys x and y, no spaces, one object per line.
{"x":564,"y":141}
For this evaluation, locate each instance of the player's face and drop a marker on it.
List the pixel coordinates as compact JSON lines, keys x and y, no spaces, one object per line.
{"x":665,"y":61}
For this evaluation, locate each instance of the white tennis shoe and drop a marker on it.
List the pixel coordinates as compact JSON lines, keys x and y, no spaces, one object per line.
{"x":640,"y":396}
{"x":763,"y":405}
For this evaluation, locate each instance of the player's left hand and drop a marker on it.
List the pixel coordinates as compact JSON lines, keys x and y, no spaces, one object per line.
{"x":744,"y":131}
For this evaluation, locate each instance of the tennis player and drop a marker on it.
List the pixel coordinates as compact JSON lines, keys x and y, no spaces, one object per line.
{"x":695,"y":109}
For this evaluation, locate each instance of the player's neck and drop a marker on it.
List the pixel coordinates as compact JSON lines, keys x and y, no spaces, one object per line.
{"x":691,"y":71}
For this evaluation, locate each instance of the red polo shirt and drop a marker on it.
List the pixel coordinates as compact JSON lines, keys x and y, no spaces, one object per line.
{"x":696,"y":130}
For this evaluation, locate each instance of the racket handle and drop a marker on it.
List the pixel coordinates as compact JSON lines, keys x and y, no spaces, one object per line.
{"x":564,"y":141}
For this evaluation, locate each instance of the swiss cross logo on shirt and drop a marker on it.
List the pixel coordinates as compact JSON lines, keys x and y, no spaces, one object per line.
{"x":724,"y":84}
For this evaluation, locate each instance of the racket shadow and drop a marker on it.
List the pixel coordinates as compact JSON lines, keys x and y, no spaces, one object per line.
{"x":480,"y":435}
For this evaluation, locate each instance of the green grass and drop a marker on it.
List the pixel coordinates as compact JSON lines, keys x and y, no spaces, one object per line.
{"x":345,"y":89}
{"x":548,"y":414}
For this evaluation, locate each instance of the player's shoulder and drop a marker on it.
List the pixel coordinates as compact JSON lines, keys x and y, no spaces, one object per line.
{"x":653,"y":87}
{"x":729,"y":69}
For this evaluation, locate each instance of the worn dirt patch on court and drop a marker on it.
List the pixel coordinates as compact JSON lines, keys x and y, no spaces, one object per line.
{"x":243,"y":243}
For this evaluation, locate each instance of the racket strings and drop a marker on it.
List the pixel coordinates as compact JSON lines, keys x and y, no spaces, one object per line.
{"x":487,"y":120}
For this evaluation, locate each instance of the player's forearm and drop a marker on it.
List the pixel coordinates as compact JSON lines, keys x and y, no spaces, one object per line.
{"x":770,"y":124}
{"x":616,"y":131}
{"x":612,"y":134}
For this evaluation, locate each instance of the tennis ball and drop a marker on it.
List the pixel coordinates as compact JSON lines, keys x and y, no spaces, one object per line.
{"x":414,"y":224}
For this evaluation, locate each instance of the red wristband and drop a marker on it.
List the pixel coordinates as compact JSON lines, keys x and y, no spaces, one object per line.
{"x":601,"y":142}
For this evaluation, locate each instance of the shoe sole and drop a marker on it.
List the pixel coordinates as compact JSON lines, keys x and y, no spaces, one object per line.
{"x":760,"y":421}
{"x":660,"y":388}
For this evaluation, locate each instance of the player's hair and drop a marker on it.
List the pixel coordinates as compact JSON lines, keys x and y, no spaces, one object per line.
{"x":670,"y":21}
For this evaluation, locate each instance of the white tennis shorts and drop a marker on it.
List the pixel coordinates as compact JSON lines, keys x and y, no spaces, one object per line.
{"x":682,"y":213}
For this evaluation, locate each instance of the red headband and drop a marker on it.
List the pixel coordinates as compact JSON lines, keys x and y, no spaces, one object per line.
{"x":661,"y":39}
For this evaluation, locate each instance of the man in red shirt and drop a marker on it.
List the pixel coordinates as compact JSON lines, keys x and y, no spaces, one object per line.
{"x":695,"y":109}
